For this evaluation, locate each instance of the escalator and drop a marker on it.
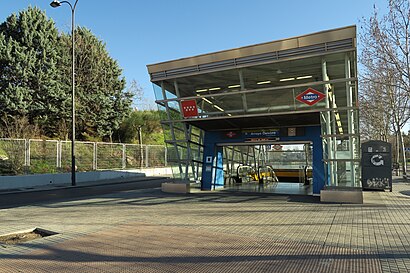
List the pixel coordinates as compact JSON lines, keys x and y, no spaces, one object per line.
{"x":259,"y":166}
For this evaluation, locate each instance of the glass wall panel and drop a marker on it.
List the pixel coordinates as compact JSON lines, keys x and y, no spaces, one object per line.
{"x":338,"y":122}
{"x":283,"y":73}
{"x":195,"y":136}
{"x":172,"y":155}
{"x":341,"y":155}
{"x":174,"y":113}
{"x":158,"y":91}
{"x":162,"y":112}
{"x":339,"y":93}
{"x":345,"y":173}
{"x":183,"y":152}
{"x":281,"y":100}
{"x":355,"y":100}
{"x":210,"y":83}
{"x":335,"y":64}
{"x":195,"y":152}
{"x":174,"y":105}
{"x":179,"y":130}
{"x":230,"y":103}
{"x":176,"y":173}
{"x":167,"y":132}
{"x":198,"y":167}
{"x":169,"y":89}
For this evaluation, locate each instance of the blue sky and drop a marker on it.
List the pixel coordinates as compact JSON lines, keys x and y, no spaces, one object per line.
{"x":138,"y":33}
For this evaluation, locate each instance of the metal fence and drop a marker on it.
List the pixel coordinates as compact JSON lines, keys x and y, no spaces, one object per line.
{"x":24,"y":156}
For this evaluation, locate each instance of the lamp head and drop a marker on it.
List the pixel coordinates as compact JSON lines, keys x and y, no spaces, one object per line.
{"x":55,"y":4}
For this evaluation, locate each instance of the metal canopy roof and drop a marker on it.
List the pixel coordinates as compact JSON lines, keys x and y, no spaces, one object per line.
{"x":311,"y":44}
{"x":209,"y":78}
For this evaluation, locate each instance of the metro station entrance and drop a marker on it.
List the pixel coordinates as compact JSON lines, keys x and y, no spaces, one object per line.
{"x":271,"y":168}
{"x":285,"y":160}
{"x":272,"y":114}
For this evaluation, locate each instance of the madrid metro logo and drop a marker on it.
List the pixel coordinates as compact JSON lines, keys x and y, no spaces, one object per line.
{"x":189,"y":108}
{"x":310,"y":96}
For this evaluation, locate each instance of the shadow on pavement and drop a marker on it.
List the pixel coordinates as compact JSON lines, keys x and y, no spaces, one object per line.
{"x":17,"y":199}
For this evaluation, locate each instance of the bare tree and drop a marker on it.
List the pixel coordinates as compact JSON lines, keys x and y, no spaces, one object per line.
{"x":375,"y":122}
{"x":141,"y":101}
{"x":386,"y":75}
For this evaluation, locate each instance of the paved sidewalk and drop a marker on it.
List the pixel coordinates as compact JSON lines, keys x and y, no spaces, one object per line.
{"x":150,"y":231}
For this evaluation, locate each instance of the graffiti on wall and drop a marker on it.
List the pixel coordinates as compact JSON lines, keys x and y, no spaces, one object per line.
{"x":377,"y":182}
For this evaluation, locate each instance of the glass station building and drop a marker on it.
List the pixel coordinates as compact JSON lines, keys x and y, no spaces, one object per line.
{"x":290,"y":106}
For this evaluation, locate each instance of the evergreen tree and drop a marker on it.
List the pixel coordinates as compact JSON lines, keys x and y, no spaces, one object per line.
{"x":101,"y":102}
{"x":29,"y":81}
{"x":35,"y":78}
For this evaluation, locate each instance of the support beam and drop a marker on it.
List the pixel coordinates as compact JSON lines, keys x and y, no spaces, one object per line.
{"x":350,"y":119}
{"x":171,"y":126}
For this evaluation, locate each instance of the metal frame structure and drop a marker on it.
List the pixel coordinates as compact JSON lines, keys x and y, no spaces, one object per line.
{"x":231,"y":93}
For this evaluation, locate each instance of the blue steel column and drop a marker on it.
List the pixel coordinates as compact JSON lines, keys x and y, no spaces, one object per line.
{"x":317,"y":164}
{"x":212,"y":172}
{"x":209,"y":151}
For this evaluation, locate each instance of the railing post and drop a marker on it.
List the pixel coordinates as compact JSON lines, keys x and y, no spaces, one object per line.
{"x":146,"y":156}
{"x":58,"y":143}
{"x":166,"y":156}
{"x":95,"y":156}
{"x":25,"y":153}
{"x":141,"y":156}
{"x":124,"y":157}
{"x":28,"y":155}
{"x":60,"y":154}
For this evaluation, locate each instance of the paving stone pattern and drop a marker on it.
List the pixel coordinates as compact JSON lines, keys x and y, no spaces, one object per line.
{"x":150,"y":231}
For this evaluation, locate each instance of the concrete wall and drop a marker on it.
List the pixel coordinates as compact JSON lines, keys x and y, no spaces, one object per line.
{"x":165,"y":172}
{"x":36,"y":180}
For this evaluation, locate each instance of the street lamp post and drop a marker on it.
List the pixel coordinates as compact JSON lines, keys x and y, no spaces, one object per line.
{"x":56,"y":4}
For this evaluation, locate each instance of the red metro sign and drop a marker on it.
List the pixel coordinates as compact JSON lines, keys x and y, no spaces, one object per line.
{"x":310,"y":96}
{"x":189,"y":108}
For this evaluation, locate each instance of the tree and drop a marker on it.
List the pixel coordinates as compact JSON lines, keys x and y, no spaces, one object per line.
{"x":137,"y":91}
{"x":375,"y":118}
{"x":150,"y":123}
{"x":141,"y":101}
{"x":35,"y":79}
{"x":101,"y":102}
{"x":29,"y":79}
{"x":386,"y":59}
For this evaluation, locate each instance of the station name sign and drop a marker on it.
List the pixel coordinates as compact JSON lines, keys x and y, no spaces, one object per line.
{"x":261,"y":133}
{"x":271,"y":134}
{"x":254,"y":134}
